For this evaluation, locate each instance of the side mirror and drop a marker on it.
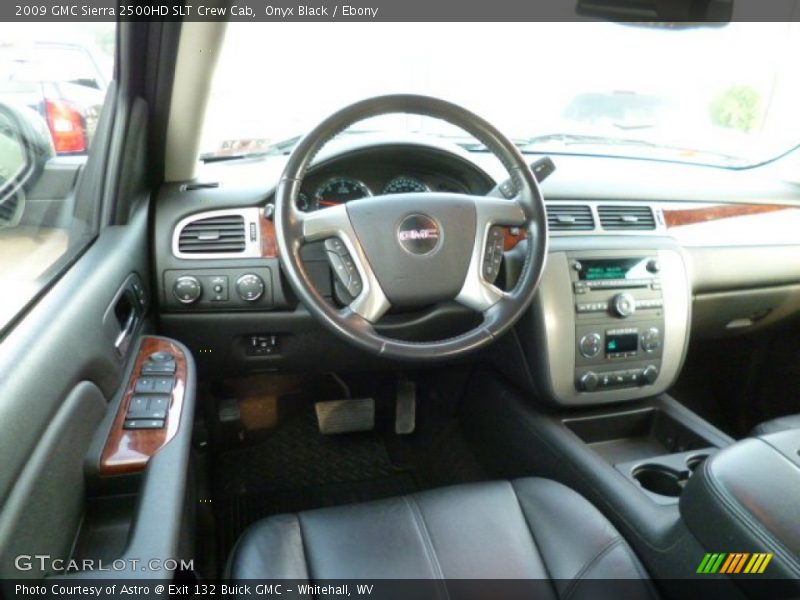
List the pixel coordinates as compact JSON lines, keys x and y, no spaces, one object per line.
{"x":25,"y":147}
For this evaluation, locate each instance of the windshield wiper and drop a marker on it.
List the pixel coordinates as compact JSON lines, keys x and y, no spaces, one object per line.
{"x":281,"y":148}
{"x":582,"y":139}
{"x":567,"y":139}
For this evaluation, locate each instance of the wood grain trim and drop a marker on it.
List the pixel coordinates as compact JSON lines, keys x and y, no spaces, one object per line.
{"x":127,"y":451}
{"x":269,"y":244}
{"x":690,"y":216}
{"x":512,"y":236}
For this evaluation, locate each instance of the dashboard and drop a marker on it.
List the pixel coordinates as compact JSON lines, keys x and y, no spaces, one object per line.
{"x":726,"y":242}
{"x":388,"y":171}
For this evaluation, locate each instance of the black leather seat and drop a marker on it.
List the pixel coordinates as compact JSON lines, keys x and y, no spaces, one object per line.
{"x":786,"y":423}
{"x":523,"y":529}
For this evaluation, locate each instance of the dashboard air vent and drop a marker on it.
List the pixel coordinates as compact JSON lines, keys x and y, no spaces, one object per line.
{"x":221,"y":234}
{"x":569,"y":217}
{"x":626,"y":218}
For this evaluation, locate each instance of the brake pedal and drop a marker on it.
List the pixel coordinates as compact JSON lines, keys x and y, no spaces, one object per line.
{"x":228,"y":411}
{"x":345,"y":416}
{"x":405,"y":417}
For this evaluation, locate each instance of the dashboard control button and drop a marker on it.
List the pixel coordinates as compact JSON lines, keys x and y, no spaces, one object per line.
{"x":589,"y":381}
{"x":219,"y":287}
{"x":262,"y":345}
{"x":651,"y":339}
{"x":187,"y":289}
{"x":624,"y":305}
{"x":250,"y":287}
{"x":590,"y":345}
{"x":653,"y":265}
{"x":650,"y":374}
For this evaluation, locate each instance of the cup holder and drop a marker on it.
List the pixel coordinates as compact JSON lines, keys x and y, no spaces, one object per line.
{"x":660,"y":480}
{"x":695,"y":461}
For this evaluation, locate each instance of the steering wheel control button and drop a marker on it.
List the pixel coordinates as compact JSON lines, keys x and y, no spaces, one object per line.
{"x":250,"y":287}
{"x":343,"y":266}
{"x":493,"y":253}
{"x":335,"y":245}
{"x":624,"y":305}
{"x":187,"y":289}
{"x":419,"y":234}
{"x":651,"y":339}
{"x":590,"y":345}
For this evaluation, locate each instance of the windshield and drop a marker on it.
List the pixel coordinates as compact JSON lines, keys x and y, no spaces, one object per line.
{"x":717,"y":95}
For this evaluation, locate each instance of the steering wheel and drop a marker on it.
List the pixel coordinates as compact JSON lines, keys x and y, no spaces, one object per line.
{"x":413,"y":249}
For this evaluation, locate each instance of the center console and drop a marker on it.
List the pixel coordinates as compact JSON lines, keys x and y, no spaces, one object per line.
{"x":610,"y":324}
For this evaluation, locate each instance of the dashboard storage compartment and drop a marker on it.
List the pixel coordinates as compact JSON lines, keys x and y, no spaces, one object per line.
{"x":652,"y":449}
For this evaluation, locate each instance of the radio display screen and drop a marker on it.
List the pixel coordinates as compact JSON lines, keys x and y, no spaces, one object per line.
{"x":613,"y":268}
{"x":625,"y":342}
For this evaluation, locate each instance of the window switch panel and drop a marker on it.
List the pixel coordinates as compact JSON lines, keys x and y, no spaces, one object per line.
{"x":158,"y":368}
{"x":163,"y":385}
{"x":148,"y":407}
{"x":145,"y":385}
{"x":137,"y":409}
{"x":144,"y":424}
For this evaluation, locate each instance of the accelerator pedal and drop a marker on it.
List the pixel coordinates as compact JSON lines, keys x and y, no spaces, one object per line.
{"x":345,"y":416}
{"x":405,"y":418}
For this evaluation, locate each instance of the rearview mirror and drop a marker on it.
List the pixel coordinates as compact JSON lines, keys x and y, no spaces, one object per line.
{"x":25,"y":147}
{"x":672,"y":13}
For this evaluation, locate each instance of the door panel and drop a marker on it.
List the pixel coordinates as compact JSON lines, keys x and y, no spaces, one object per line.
{"x":60,"y":368}
{"x":46,"y":504}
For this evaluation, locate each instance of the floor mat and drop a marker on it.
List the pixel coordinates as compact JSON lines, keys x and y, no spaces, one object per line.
{"x":294,"y":468}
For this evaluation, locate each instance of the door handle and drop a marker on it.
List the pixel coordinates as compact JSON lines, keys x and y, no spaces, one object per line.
{"x":126,"y":310}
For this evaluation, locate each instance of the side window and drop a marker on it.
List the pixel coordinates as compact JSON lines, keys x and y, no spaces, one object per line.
{"x":52,"y":88}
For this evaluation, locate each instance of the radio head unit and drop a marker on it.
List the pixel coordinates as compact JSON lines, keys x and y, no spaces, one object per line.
{"x":615,"y":323}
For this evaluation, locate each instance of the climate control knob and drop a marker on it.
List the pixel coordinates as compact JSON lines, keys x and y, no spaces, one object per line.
{"x":651,"y":339}
{"x":250,"y":287}
{"x":187,"y":289}
{"x":589,"y":381}
{"x":650,"y":374}
{"x":589,"y":345}
{"x":623,"y":305}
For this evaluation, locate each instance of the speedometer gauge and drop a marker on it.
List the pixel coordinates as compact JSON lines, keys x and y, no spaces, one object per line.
{"x":403,"y":184}
{"x":340,"y":189}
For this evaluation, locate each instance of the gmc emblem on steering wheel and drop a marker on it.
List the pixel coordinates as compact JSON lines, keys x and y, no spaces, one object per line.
{"x":419,"y":234}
